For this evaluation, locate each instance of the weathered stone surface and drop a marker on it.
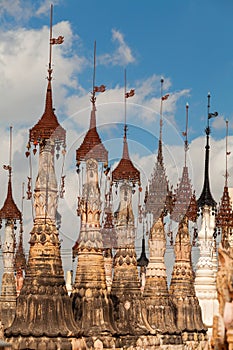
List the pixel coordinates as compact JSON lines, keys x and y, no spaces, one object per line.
{"x":91,"y":303}
{"x":129,"y":309}
{"x":161,"y":313}
{"x":189,"y":317}
{"x":43,"y":307}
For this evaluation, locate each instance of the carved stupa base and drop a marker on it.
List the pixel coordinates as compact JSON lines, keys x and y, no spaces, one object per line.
{"x":92,"y":307}
{"x":126,"y":294}
{"x":189,"y":316}
{"x":160,"y":309}
{"x":43,"y":307}
{"x":45,"y":343}
{"x":8,"y":299}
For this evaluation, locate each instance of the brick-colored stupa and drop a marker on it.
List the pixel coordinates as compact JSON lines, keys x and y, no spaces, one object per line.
{"x":10,"y":214}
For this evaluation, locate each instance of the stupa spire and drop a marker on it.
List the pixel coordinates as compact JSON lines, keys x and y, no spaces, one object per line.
{"x":91,"y":303}
{"x":205,"y":276}
{"x":125,"y":292}
{"x":185,"y":201}
{"x":10,"y":214}
{"x":159,"y":198}
{"x":224,"y":217}
{"x":206,"y":197}
{"x":92,"y":146}
{"x":125,"y":169}
{"x":10,"y":211}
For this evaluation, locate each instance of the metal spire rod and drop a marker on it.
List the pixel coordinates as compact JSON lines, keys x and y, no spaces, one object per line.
{"x":50,"y":43}
{"x":186,"y":136}
{"x":227,"y":153}
{"x":161,"y":110}
{"x":94,"y":66}
{"x":10,"y":155}
{"x":125,"y":127}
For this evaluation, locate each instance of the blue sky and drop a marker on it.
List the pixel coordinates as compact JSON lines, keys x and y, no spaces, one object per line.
{"x":188,"y":42}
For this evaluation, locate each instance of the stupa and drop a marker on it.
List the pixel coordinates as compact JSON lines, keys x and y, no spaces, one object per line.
{"x":10,"y":214}
{"x":205,"y":279}
{"x":44,"y":317}
{"x":91,"y":303}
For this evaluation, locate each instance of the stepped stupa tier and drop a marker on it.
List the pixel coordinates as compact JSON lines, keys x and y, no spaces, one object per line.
{"x":189,"y":317}
{"x":10,"y":214}
{"x":161,"y":312}
{"x":182,"y":291}
{"x":205,"y":280}
{"x":44,"y":311}
{"x":92,"y":305}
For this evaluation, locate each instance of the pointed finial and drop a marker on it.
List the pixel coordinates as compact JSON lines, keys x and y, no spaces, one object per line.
{"x":50,"y":44}
{"x":52,"y":41}
{"x":127,"y":95}
{"x":93,"y":98}
{"x":9,"y":166}
{"x":209,"y":115}
{"x":186,"y":135}
{"x":163,"y":98}
{"x":95,"y":89}
{"x":125,"y":127}
{"x":161,"y":109}
{"x":227,"y":154}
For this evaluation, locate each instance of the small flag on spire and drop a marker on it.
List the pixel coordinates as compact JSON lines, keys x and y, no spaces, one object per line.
{"x":57,"y":41}
{"x":184,"y":133}
{"x":228,"y":153}
{"x":212,"y":115}
{"x":130,"y":93}
{"x":165,"y":97}
{"x":6,"y":167}
{"x":100,"y":88}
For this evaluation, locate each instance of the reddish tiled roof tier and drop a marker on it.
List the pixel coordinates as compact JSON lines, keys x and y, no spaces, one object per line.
{"x":9,"y":209}
{"x":92,"y":146}
{"x":48,"y":126}
{"x":125,"y":170}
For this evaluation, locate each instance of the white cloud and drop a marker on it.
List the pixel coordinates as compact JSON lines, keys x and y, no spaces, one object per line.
{"x":23,"y":71}
{"x":219,"y":123}
{"x":20,"y":11}
{"x":122,"y":56}
{"x":45,"y":6}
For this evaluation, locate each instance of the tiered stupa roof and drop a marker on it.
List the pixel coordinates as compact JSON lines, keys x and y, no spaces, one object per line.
{"x":10,"y":211}
{"x":125,"y":169}
{"x":48,"y":125}
{"x":92,"y":146}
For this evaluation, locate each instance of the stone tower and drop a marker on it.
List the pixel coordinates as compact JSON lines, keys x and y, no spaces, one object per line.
{"x":91,"y":303}
{"x":44,"y":317}
{"x":189,"y":317}
{"x":205,"y":280}
{"x":158,"y":200}
{"x":10,"y":214}
{"x":129,"y":313}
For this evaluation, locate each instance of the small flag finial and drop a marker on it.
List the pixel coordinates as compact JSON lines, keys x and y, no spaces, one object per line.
{"x":95,"y":88}
{"x":52,"y":41}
